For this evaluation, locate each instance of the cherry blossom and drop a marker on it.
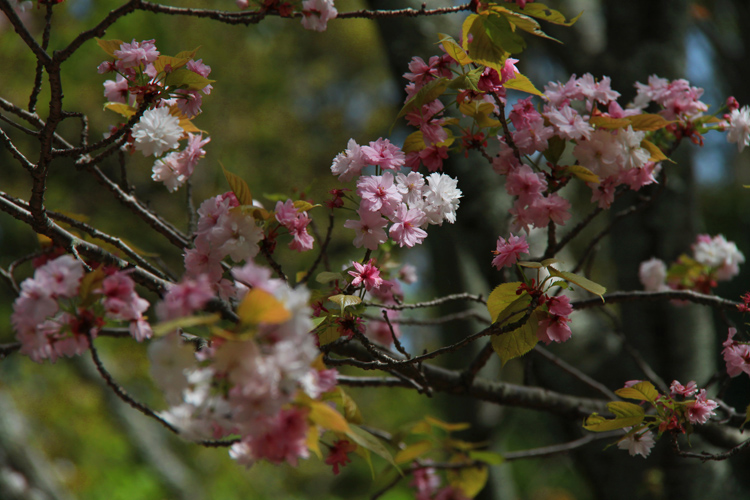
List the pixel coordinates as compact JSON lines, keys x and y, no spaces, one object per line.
{"x":157,"y":132}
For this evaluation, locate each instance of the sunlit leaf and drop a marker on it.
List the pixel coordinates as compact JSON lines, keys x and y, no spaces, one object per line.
{"x":414,"y":142}
{"x":413,"y":451}
{"x":239,"y":187}
{"x":501,"y":297}
{"x":656,"y":153}
{"x":541,"y":11}
{"x":523,"y":22}
{"x":120,"y":108}
{"x":173,"y":62}
{"x":326,"y":417}
{"x":189,"y":127}
{"x":608,"y":122}
{"x":518,"y":342}
{"x":470,"y":480}
{"x":303,"y":206}
{"x":626,"y":415}
{"x":109,"y":46}
{"x":259,"y":306}
{"x":313,"y":441}
{"x":502,"y":34}
{"x":642,"y":391}
{"x":480,"y":111}
{"x":482,"y":49}
{"x":522,"y":83}
{"x":453,"y":49}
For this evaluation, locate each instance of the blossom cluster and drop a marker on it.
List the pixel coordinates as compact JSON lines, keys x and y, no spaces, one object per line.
{"x":173,"y":87}
{"x":736,"y":355}
{"x":315,"y":13}
{"x":410,"y":202}
{"x":256,"y":386}
{"x":713,"y":259}
{"x":53,"y":318}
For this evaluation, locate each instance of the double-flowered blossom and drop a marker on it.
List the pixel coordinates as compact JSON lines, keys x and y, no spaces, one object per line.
{"x":317,"y":13}
{"x":296,"y":222}
{"x":366,"y":275}
{"x":157,"y":132}
{"x":736,"y":355}
{"x":509,"y":250}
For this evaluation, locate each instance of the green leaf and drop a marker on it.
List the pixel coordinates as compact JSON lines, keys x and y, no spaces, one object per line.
{"x":166,"y":327}
{"x":345,"y":300}
{"x":648,"y":122}
{"x":518,"y":342}
{"x":414,"y":142}
{"x":555,"y":149}
{"x":541,"y":11}
{"x":188,"y":54}
{"x":303,"y":206}
{"x":524,"y":22}
{"x":327,"y":277}
{"x":522,"y":83}
{"x":482,"y":49}
{"x":503,"y":34}
{"x":370,"y":442}
{"x":480,"y":111}
{"x":347,"y":404}
{"x":501,"y":297}
{"x":186,"y":79}
{"x":582,"y":173}
{"x":584,"y":283}
{"x":413,"y":451}
{"x":470,"y":480}
{"x":530,"y":264}
{"x":174,"y":63}
{"x":238,"y":186}
{"x":488,"y":457}
{"x":642,"y":391}
{"x":626,"y":415}
{"x":329,"y":334}
{"x":428,"y":93}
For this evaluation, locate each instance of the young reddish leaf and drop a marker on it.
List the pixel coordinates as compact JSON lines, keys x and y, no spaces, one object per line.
{"x":323,"y":415}
{"x":522,"y":83}
{"x":642,"y":391}
{"x":90,"y":281}
{"x":470,"y":480}
{"x":109,"y":46}
{"x":413,"y":451}
{"x":501,"y":297}
{"x":518,"y":342}
{"x":626,"y":415}
{"x":259,"y":306}
{"x":582,"y":173}
{"x":239,"y":187}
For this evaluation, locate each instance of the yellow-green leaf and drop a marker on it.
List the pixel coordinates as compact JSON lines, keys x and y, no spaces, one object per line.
{"x":747,"y":418}
{"x":608,"y":122}
{"x":303,"y":206}
{"x":522,"y":83}
{"x":446,"y":426}
{"x":413,"y":451}
{"x":524,"y":22}
{"x":173,"y":62}
{"x":626,"y":415}
{"x":326,"y":417}
{"x":329,"y":334}
{"x":370,"y":442}
{"x":518,"y":342}
{"x":184,"y":322}
{"x":90,"y":282}
{"x":482,"y":49}
{"x":470,"y":480}
{"x":656,"y":153}
{"x":186,"y":79}
{"x":345,"y":300}
{"x":120,"y":108}
{"x":541,"y":11}
{"x":313,"y":441}
{"x":501,"y":297}
{"x":187,"y":125}
{"x":259,"y":306}
{"x":584,"y":283}
{"x":488,"y":457}
{"x":327,"y":277}
{"x":550,"y":261}
{"x":109,"y":46}
{"x":348,"y":405}
{"x":414,"y":142}
{"x":188,"y":54}
{"x":453,"y":49}
{"x":239,"y":187}
{"x":480,"y":111}
{"x":648,"y":122}
{"x":582,"y":173}
{"x":530,"y":264}
{"x":642,"y":391}
{"x":428,"y":93}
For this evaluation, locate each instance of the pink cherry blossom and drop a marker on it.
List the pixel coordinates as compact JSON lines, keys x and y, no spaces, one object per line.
{"x":367,"y":275}
{"x":349,"y":164}
{"x":683,"y":390}
{"x":369,"y":229}
{"x":317,"y":13}
{"x":185,"y":298}
{"x":378,"y":193}
{"x":701,"y":410}
{"x":526,"y":184}
{"x":508,"y":251}
{"x":637,"y":443}
{"x":383,"y":154}
{"x":406,"y":229}
{"x":136,"y":53}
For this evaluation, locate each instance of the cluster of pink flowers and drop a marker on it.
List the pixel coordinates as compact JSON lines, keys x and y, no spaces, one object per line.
{"x":736,"y":355}
{"x":713,"y":259}
{"x":426,"y":484}
{"x":409,"y":201}
{"x":296,"y":222}
{"x":225,"y":229}
{"x":509,"y":250}
{"x":251,"y":388}
{"x":315,"y":13}
{"x":160,"y":129}
{"x":50,"y":320}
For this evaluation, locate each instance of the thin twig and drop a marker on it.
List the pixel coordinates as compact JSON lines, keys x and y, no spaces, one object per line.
{"x":572,"y":370}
